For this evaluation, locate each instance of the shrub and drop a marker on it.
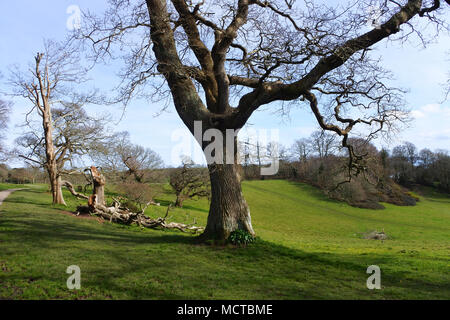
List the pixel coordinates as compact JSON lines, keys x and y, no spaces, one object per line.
{"x":137,"y":195}
{"x":241,"y":238}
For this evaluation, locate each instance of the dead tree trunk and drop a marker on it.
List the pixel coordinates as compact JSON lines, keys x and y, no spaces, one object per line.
{"x":44,"y":107}
{"x":99,"y":186}
{"x":119,"y":214}
{"x":179,"y":202}
{"x":55,"y":185}
{"x":71,"y":189}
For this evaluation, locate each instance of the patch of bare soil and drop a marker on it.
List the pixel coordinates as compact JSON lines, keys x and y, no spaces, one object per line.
{"x":375,"y":235}
{"x":82,"y":216}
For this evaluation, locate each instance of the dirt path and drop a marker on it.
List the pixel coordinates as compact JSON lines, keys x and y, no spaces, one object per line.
{"x":4,"y":194}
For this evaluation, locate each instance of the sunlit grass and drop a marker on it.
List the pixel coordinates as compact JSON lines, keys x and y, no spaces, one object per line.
{"x":309,"y":247}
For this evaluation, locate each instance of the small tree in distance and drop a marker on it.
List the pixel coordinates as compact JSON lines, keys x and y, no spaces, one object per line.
{"x":189,"y":182}
{"x":120,"y":156}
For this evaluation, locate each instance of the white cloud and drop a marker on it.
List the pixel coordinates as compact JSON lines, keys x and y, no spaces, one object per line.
{"x":416,"y":114}
{"x":433,"y":108}
{"x":430,"y":110}
{"x":430,"y":128}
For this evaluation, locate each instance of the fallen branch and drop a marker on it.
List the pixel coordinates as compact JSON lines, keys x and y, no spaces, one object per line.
{"x":70,"y":187}
{"x":122,"y":215}
{"x":119,"y":214}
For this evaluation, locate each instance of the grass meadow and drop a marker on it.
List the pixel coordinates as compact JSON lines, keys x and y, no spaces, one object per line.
{"x":308,"y":247}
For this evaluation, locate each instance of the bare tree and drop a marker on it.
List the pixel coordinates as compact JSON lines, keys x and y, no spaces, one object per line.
{"x":137,"y":194}
{"x":65,"y":128}
{"x":273,"y":150}
{"x":120,"y":155}
{"x":241,"y":55}
{"x":245,"y":153}
{"x":323,"y":143}
{"x":403,"y":160}
{"x":426,"y":157}
{"x":5,"y":109}
{"x":189,"y":182}
{"x":301,"y":149}
{"x":75,"y":134}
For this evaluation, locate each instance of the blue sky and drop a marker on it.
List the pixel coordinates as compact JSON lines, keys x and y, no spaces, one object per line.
{"x":25,"y":24}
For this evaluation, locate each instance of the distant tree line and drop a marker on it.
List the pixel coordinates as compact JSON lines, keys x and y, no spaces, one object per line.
{"x":409,"y":166}
{"x":319,"y":160}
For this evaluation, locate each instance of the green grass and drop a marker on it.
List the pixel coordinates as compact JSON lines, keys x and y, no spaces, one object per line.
{"x":6,"y":186}
{"x":309,"y":247}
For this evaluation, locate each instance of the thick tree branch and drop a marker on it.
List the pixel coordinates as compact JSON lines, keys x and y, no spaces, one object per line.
{"x":223,"y":41}
{"x":269,"y":92}
{"x":201,"y":52}
{"x":187,"y":102}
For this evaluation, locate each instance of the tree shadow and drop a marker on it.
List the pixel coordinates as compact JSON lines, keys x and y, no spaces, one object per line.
{"x":289,"y":273}
{"x":45,"y":232}
{"x":266,"y":268}
{"x":189,"y":207}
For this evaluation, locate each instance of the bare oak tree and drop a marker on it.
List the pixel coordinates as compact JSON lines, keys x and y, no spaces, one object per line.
{"x":222,"y":60}
{"x":65,"y":128}
{"x":121,"y":156}
{"x":323,"y":143}
{"x":300,"y":149}
{"x":189,"y":182}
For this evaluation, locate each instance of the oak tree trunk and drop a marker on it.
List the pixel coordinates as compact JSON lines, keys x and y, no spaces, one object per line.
{"x":228,"y":210}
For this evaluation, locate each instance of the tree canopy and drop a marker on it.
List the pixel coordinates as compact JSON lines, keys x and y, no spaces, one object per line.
{"x":223,"y":60}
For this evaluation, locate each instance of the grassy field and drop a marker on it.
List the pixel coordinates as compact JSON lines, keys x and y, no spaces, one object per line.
{"x":309,"y":247}
{"x":6,"y":186}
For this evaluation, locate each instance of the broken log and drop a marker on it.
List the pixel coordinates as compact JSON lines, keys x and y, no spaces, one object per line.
{"x":70,"y":187}
{"x":119,"y":214}
{"x":122,"y":215}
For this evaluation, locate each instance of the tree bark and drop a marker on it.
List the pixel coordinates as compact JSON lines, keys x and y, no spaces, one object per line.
{"x":99,"y":186}
{"x":56,"y":186}
{"x":59,"y":193}
{"x":229,"y":210}
{"x":179,"y":202}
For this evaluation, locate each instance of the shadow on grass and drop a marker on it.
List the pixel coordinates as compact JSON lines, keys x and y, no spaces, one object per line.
{"x":189,"y":207}
{"x":289,"y":273}
{"x":46,"y":232}
{"x":122,"y":261}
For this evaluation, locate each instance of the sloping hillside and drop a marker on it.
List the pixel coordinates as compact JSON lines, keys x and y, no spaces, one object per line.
{"x":309,"y":248}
